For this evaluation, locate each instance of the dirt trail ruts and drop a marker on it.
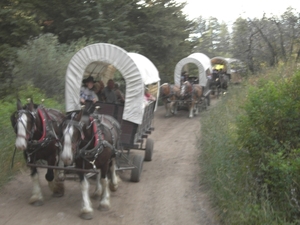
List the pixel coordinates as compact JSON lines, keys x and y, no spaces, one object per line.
{"x":168,"y":193}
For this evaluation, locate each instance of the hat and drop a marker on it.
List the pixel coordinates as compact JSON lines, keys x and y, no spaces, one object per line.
{"x":89,"y":79}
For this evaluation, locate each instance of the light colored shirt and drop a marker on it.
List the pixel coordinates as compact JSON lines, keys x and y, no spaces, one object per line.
{"x":88,"y":94}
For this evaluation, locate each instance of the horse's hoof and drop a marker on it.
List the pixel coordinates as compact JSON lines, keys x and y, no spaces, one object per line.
{"x":86,"y":216}
{"x":61,"y":177}
{"x":113,"y":187}
{"x":104,"y":207}
{"x":57,"y":195}
{"x":37,"y":203}
{"x":96,"y":196}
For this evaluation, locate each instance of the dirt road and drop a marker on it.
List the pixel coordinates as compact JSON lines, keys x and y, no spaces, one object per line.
{"x":168,"y":193}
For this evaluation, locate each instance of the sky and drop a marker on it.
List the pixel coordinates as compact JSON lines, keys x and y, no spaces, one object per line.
{"x":229,"y":10}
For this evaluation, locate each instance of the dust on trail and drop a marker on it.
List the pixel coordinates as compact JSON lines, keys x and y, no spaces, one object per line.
{"x":169,"y":192}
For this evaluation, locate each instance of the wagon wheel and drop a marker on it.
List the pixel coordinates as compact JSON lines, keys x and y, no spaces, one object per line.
{"x":149,"y":149}
{"x":136,"y":172}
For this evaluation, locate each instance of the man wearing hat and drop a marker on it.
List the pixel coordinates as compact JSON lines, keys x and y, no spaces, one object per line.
{"x":87,"y":92}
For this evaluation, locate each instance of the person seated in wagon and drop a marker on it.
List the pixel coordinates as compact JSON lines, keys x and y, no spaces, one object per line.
{"x":108,"y":92}
{"x":87,"y":91}
{"x":119,"y":94}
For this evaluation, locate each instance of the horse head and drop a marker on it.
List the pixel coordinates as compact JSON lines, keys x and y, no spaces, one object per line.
{"x":72,"y":129}
{"x":25,"y":122}
{"x":185,"y":90}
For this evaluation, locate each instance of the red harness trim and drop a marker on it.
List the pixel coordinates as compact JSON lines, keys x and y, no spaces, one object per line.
{"x":42,"y":117}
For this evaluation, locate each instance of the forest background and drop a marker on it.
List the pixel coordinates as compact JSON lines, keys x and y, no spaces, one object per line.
{"x":38,"y":38}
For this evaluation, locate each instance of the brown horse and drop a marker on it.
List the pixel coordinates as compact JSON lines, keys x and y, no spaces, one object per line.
{"x":192,"y":96}
{"x":170,"y":94}
{"x":91,"y":142}
{"x":37,"y":129}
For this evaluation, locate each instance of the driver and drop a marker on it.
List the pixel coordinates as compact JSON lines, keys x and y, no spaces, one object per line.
{"x":87,"y":92}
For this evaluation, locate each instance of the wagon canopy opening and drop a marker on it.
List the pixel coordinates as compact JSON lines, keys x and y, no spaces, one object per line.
{"x":201,"y":61}
{"x":221,"y":63}
{"x":102,"y":60}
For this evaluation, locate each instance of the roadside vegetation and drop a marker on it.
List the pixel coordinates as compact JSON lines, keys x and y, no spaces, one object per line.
{"x":250,"y":150}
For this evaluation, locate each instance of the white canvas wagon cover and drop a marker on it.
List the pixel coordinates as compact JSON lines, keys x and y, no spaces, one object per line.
{"x":103,"y":58}
{"x":222,"y":61}
{"x":200,"y":60}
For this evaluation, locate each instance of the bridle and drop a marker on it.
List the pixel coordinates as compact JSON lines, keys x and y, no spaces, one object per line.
{"x":85,"y":153}
{"x":18,"y":115}
{"x":184,"y":92}
{"x":77,"y":125}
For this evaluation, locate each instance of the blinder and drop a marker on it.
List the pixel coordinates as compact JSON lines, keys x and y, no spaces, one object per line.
{"x":76,"y":124}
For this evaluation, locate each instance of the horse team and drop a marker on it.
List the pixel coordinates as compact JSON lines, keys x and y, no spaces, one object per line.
{"x":189,"y":95}
{"x":192,"y":95}
{"x":88,"y":140}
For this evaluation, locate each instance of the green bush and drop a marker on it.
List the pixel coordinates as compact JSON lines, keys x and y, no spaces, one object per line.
{"x":269,"y":133}
{"x":43,"y":63}
{"x":249,"y":151}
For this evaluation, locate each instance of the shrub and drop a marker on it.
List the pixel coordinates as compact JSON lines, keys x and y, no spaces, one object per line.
{"x":269,"y":132}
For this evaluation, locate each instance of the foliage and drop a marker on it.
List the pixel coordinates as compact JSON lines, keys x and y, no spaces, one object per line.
{"x":250,"y":153}
{"x":17,"y":25}
{"x":267,"y":41}
{"x":70,"y":20}
{"x":161,"y":30}
{"x":7,"y":133}
{"x":43,"y":63}
{"x":210,"y":37}
{"x":269,"y":132}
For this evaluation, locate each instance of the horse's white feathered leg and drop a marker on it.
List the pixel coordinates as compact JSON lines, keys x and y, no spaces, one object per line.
{"x":57,"y":185}
{"x":172,"y":107}
{"x":167,"y":107}
{"x":175,"y":106}
{"x":61,"y":173}
{"x":114,"y":178}
{"x":86,"y":210}
{"x":191,"y":112}
{"x":98,"y":191}
{"x":196,"y":109}
{"x":37,"y":197}
{"x":105,"y":200}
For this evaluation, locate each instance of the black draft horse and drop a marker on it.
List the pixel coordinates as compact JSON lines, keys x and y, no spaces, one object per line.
{"x":91,"y":142}
{"x":37,"y":131}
